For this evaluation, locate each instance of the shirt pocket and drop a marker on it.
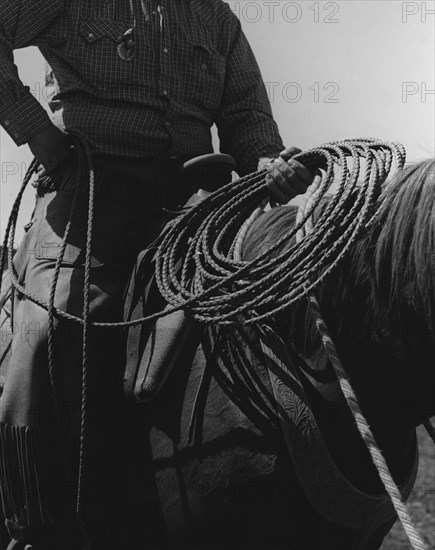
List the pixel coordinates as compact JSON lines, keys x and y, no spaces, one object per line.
{"x":208,"y":67}
{"x":101,"y":64}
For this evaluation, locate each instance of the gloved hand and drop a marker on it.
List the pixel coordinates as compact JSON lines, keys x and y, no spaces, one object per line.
{"x":286,"y":177}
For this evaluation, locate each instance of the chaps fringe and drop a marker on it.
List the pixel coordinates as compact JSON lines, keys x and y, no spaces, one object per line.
{"x":20,"y":488}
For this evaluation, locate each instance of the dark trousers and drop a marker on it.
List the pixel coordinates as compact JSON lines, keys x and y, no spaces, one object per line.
{"x":39,"y":461}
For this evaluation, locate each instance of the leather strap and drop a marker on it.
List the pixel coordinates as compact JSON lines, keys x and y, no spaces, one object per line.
{"x":328,"y":491}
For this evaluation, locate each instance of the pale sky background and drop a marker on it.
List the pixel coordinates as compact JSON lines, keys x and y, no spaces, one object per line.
{"x":334,"y":70}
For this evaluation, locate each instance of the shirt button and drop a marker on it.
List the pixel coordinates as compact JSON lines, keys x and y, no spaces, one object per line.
{"x":165,"y":93}
{"x":7,"y":122}
{"x":165,"y":50}
{"x":91,"y":35}
{"x":204,"y":67}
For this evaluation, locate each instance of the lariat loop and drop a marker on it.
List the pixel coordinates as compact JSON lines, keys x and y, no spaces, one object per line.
{"x":199,"y":266}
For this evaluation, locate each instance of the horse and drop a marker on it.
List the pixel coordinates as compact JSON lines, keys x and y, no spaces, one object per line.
{"x":206,"y":461}
{"x":221,"y":476}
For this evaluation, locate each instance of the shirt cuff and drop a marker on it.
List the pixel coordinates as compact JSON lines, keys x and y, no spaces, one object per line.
{"x":24,"y":118}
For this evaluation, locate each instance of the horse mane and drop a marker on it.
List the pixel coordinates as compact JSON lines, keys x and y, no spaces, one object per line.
{"x":388,"y":276}
{"x":395,"y":260}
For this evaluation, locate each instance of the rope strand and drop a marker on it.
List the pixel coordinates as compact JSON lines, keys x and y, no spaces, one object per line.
{"x":218,"y":288}
{"x":86,"y":326}
{"x":417,"y":543}
{"x":364,"y":429}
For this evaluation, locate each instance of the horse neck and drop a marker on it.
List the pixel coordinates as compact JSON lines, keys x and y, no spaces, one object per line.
{"x":370,"y":362}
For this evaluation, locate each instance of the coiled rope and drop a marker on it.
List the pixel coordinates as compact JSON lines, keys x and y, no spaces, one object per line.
{"x":216,"y":286}
{"x":272,"y":282}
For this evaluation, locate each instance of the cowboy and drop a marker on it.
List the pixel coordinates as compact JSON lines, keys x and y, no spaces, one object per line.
{"x":142,"y":82}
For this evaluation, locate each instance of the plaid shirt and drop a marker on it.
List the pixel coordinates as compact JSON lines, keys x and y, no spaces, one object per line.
{"x":192,"y":67}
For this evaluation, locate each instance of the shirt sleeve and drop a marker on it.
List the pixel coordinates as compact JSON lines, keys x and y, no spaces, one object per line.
{"x":246,"y":127}
{"x":21,"y":21}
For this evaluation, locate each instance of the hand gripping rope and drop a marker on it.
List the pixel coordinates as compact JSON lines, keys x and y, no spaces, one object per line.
{"x":216,"y":286}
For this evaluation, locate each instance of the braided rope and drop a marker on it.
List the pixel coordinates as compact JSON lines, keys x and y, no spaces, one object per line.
{"x":366,"y":433}
{"x":271,"y":282}
{"x":192,"y":232}
{"x":218,"y":287}
{"x":8,"y":248}
{"x":86,"y":325}
{"x":51,"y":318}
{"x":363,"y":427}
{"x":238,"y":243}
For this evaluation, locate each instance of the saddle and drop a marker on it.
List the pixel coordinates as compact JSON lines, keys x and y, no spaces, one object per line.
{"x":325,"y":487}
{"x":152,"y":351}
{"x":153,"y":348}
